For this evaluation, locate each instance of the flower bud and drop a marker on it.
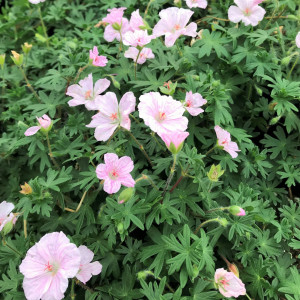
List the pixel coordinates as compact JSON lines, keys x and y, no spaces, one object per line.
{"x":40,"y":38}
{"x":195,"y":272}
{"x":26,"y":48}
{"x":143,"y":274}
{"x":9,"y":224}
{"x":275,"y":120}
{"x":223,"y":222}
{"x":234,"y":269}
{"x":236,"y":210}
{"x":120,"y":228}
{"x":17,"y":58}
{"x":215,"y":172}
{"x":168,"y":88}
{"x":116,"y":26}
{"x":286,"y":60}
{"x":178,"y":3}
{"x":126,"y":195}
{"x":2,"y":60}
{"x":26,"y":189}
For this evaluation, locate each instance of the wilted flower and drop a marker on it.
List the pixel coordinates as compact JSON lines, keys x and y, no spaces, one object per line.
{"x":45,"y":125}
{"x":174,"y":140}
{"x":138,"y":38}
{"x":17,"y":58}
{"x":224,"y":141}
{"x":115,"y":172}
{"x":6,"y":215}
{"x":112,"y":114}
{"x":26,"y":189}
{"x":215,"y":173}
{"x":85,"y":93}
{"x":228,"y":284}
{"x":298,"y":40}
{"x":193,"y":102}
{"x":145,"y":54}
{"x":196,"y":3}
{"x":87,"y":268}
{"x":98,"y":61}
{"x":162,"y":113}
{"x":168,"y":88}
{"x":26,"y":47}
{"x":173,"y":23}
{"x":247,"y":11}
{"x":48,"y":265}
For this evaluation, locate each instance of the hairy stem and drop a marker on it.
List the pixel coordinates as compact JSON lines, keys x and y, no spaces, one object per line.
{"x":135,"y":63}
{"x":44,"y":27}
{"x":10,"y":247}
{"x":50,"y":152}
{"x":170,"y":176}
{"x":294,"y":65}
{"x":204,"y":223}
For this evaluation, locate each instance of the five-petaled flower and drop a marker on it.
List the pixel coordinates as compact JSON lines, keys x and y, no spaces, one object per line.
{"x":45,"y":124}
{"x":173,"y":23}
{"x":85,"y":93}
{"x":196,"y":3}
{"x":112,"y":114}
{"x":98,"y":60}
{"x":193,"y":102}
{"x":224,"y":141}
{"x":228,"y":284}
{"x":247,"y":11}
{"x":115,"y":172}
{"x":145,"y":54}
{"x":138,"y":38}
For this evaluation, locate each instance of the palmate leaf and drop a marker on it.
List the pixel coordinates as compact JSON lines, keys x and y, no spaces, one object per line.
{"x":52,"y":81}
{"x":291,"y":285}
{"x":259,"y":36}
{"x":12,"y":281}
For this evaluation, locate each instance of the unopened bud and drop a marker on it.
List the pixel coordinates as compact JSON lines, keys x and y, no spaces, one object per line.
{"x":275,"y":120}
{"x":2,"y":60}
{"x":143,"y":274}
{"x":236,"y":210}
{"x":223,"y":222}
{"x":116,"y":26}
{"x":285,"y":61}
{"x":178,"y":3}
{"x":26,"y":48}
{"x":195,"y":272}
{"x":126,"y":195}
{"x":120,"y":228}
{"x":17,"y":58}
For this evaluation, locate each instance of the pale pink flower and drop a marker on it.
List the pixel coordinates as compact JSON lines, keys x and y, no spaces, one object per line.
{"x":247,"y":11}
{"x":229,"y":285}
{"x":36,"y":1}
{"x":98,"y":61}
{"x":193,"y":102}
{"x":115,"y":15}
{"x":87,"y":268}
{"x":6,"y":214}
{"x":174,"y":140}
{"x":112,"y":32}
{"x":162,"y":113}
{"x":196,"y":3}
{"x":173,"y":23}
{"x":112,"y":114}
{"x":45,"y":123}
{"x":225,"y":142}
{"x":86,"y":93}
{"x":115,"y":172}
{"x":138,"y":38}
{"x":136,"y":21}
{"x":47,"y":267}
{"x":298,"y":40}
{"x":242,"y":212}
{"x":145,"y":54}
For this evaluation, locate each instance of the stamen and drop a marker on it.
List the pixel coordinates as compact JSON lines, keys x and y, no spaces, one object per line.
{"x":114,"y":116}
{"x":162,"y":116}
{"x":88,"y":94}
{"x":177,"y":27}
{"x":48,"y":267}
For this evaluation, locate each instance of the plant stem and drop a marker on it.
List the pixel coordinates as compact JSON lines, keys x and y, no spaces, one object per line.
{"x":204,"y":223}
{"x":168,"y":286}
{"x":134,"y":118}
{"x":25,"y":228}
{"x":72,"y":290}
{"x":79,"y":72}
{"x":170,"y":176}
{"x":210,"y":150}
{"x":295,"y":63}
{"x":50,"y":152}
{"x":44,"y":27}
{"x":135,"y":63}
{"x":248,"y":296}
{"x":10,"y":247}
{"x":140,"y":146}
{"x":84,"y":286}
{"x":156,"y":140}
{"x":147,"y":8}
{"x":29,"y":85}
{"x":111,"y":137}
{"x":183,"y":174}
{"x":151,"y":181}
{"x":79,"y":205}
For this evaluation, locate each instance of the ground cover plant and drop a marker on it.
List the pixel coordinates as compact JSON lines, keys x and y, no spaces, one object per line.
{"x":149,"y":150}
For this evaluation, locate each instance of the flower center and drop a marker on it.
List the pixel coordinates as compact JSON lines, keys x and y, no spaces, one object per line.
{"x":167,"y":84}
{"x":113,"y":174}
{"x":87,"y":95}
{"x":162,"y":116}
{"x":247,"y":12}
{"x":49,"y":267}
{"x":189,"y":103}
{"x":224,"y":142}
{"x":224,"y":282}
{"x":114,"y":116}
{"x":177,"y":27}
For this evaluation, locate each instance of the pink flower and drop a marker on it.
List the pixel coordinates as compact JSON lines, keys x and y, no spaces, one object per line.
{"x":193,"y":103}
{"x":162,"y":113}
{"x":138,"y":38}
{"x":224,"y":141}
{"x":115,"y":172}
{"x":136,"y":21}
{"x":87,"y":268}
{"x":115,"y":15}
{"x":98,"y":61}
{"x":112,"y":114}
{"x":45,"y":123}
{"x":85,"y":93}
{"x":196,"y":3}
{"x":246,"y":11}
{"x":174,"y":140}
{"x":298,"y":40}
{"x":112,"y":32}
{"x":229,"y":285}
{"x":236,"y":210}
{"x":173,"y":24}
{"x":6,"y":214}
{"x":145,"y":54}
{"x":36,"y":1}
{"x":47,"y":267}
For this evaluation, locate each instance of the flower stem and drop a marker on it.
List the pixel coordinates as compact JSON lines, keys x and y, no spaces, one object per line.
{"x":80,"y":71}
{"x":294,"y":65}
{"x":29,"y":85}
{"x":79,"y":205}
{"x":248,"y":296}
{"x":25,"y":228}
{"x":50,"y":152}
{"x":210,"y":150}
{"x":44,"y":27}
{"x":72,"y":290}
{"x":84,"y":286}
{"x":135,"y":63}
{"x":204,"y":223}
{"x":11,"y":248}
{"x":147,"y":8}
{"x":151,"y":181}
{"x":183,"y":174}
{"x":170,"y":176}
{"x":140,"y":146}
{"x":134,"y":118}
